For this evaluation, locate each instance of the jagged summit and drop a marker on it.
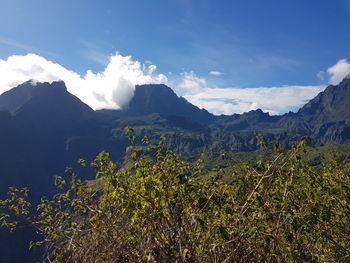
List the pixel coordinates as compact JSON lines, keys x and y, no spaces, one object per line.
{"x":54,"y":101}
{"x":12,"y":100}
{"x":37,"y":101}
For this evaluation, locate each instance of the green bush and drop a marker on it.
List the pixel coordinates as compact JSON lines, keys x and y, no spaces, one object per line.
{"x":166,"y":210}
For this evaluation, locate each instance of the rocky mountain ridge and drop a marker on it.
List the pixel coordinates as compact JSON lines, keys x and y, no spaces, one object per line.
{"x":45,"y":128}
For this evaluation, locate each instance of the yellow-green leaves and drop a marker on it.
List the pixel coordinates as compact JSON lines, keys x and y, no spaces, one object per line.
{"x":164,"y":209}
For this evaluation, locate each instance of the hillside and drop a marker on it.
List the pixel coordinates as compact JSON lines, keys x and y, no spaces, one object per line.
{"x":44,"y":128}
{"x":49,"y":128}
{"x":277,"y":208}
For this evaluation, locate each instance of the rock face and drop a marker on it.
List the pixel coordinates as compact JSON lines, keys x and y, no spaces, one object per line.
{"x":328,"y":115}
{"x":331,"y":105}
{"x":53,"y":106}
{"x":159,"y":98}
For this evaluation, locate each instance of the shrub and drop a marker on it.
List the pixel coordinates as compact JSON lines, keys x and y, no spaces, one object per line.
{"x":166,"y":210}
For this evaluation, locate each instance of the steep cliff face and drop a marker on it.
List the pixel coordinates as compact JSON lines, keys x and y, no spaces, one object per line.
{"x":33,"y":138}
{"x":52,"y":103}
{"x":331,"y":105}
{"x":328,"y":115}
{"x":159,"y":98}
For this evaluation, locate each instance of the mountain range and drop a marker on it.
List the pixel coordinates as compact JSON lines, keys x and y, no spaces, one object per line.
{"x":44,"y":128}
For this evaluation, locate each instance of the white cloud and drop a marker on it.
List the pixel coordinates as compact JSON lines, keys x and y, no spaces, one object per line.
{"x":152,"y":69}
{"x":275,"y":100}
{"x":321,"y":75}
{"x":191,"y":83}
{"x":113,"y":88}
{"x":338,"y":71}
{"x":216,"y":73}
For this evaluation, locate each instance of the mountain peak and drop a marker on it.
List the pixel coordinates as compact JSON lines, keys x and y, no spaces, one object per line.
{"x":152,"y":87}
{"x":35,"y":100}
{"x":256,"y":112}
{"x":148,"y":94}
{"x":159,"y":98}
{"x":46,"y":87}
{"x":12,"y":100}
{"x":330,"y":105}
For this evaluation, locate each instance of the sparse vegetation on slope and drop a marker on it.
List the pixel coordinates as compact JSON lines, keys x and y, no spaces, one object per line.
{"x":163,"y":210}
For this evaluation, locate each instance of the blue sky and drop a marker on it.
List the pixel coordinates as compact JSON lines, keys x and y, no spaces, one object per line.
{"x":253,"y":43}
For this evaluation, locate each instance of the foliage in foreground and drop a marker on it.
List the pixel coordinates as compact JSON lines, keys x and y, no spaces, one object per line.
{"x":164,"y":211}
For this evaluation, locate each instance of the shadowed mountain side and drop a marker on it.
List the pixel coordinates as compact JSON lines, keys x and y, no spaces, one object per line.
{"x":159,"y":98}
{"x":326,"y":118}
{"x":15,"y":98}
{"x":34,"y":140}
{"x":252,"y":120}
{"x":53,"y":103}
{"x":331,"y":105}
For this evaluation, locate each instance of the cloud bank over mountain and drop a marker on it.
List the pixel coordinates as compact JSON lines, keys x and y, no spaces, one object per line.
{"x":114,"y":87}
{"x":111,"y":89}
{"x":339,"y":71}
{"x":275,"y":100}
